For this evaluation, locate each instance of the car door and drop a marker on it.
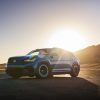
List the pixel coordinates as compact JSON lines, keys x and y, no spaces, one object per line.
{"x":56,"y":61}
{"x":65,"y":62}
{"x":62,"y":62}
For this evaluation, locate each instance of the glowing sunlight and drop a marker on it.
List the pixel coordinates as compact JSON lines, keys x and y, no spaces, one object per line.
{"x":67,"y":39}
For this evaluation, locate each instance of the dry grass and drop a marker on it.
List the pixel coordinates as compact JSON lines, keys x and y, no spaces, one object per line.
{"x":2,"y":68}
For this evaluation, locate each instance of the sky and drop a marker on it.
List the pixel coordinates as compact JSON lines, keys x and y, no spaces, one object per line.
{"x":28,"y":24}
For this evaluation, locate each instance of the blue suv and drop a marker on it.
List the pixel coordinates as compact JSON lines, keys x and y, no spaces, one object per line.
{"x":44,"y":63}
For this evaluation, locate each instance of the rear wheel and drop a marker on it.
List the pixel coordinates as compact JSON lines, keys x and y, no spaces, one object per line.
{"x":75,"y":71}
{"x":43,"y":71}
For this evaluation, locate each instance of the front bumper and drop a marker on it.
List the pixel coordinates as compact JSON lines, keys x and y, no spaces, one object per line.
{"x":20,"y":69}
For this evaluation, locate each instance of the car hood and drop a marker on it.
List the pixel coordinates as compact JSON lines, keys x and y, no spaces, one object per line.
{"x":21,"y":57}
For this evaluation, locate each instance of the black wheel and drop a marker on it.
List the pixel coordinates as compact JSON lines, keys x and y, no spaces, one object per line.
{"x":75,"y":71}
{"x":43,"y":71}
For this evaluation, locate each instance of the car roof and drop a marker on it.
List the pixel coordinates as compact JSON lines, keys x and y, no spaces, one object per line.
{"x":50,"y":50}
{"x":54,"y":48}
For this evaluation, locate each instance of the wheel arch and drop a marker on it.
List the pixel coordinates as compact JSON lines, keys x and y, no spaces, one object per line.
{"x":45,"y":62}
{"x":41,"y":62}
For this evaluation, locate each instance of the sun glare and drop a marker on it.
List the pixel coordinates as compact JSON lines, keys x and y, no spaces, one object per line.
{"x":67,"y":39}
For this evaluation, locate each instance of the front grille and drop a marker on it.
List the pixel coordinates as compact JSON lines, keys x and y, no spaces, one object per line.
{"x":16,"y":61}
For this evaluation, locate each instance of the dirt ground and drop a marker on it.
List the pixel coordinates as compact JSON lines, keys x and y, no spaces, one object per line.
{"x":61,"y":87}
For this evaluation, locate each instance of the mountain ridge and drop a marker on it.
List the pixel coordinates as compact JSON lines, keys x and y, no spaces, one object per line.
{"x":90,"y":54}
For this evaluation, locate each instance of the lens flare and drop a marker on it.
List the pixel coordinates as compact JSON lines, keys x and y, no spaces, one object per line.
{"x":67,"y":39}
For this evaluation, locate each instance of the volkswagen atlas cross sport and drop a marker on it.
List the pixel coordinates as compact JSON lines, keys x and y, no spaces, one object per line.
{"x":43,"y":63}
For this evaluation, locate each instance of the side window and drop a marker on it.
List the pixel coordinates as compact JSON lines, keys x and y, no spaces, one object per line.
{"x":67,"y":56}
{"x":54,"y":55}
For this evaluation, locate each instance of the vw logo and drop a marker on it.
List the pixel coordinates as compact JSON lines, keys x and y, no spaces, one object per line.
{"x":14,"y":61}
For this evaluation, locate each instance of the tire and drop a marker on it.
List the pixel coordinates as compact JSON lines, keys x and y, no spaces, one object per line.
{"x":75,"y":71}
{"x":43,"y":71}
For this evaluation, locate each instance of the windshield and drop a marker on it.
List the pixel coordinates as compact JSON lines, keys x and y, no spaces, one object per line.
{"x":33,"y":53}
{"x":38,"y":52}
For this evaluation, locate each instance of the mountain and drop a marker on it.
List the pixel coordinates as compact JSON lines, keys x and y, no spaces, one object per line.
{"x":90,"y":54}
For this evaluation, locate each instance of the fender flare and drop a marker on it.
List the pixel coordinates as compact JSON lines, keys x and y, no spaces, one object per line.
{"x":39,"y":61}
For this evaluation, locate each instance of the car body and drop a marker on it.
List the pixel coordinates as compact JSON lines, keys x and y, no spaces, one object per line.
{"x":44,"y":63}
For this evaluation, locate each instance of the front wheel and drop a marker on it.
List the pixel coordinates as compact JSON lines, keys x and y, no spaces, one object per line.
{"x":75,"y":71}
{"x":43,"y":71}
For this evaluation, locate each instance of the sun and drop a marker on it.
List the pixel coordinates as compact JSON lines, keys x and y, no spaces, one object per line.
{"x":67,"y":39}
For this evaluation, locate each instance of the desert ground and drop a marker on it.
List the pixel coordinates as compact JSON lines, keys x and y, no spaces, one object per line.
{"x":85,"y":87}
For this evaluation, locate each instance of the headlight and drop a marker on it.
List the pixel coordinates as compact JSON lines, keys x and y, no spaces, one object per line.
{"x":5,"y":65}
{"x":30,"y":60}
